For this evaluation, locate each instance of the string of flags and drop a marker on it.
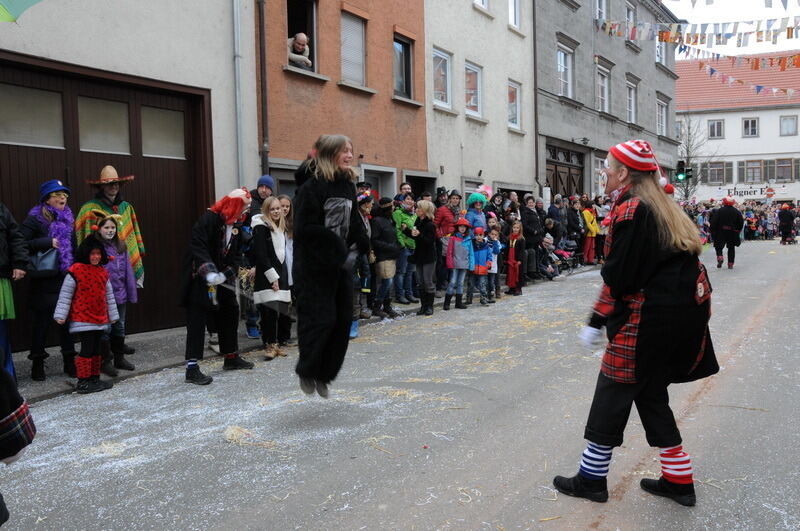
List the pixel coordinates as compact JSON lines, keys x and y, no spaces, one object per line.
{"x":758,"y":89}
{"x":767,"y":3}
{"x":781,"y":62}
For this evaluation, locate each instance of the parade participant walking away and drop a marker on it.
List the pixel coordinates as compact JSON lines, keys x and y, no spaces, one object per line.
{"x":387,"y":249}
{"x":123,"y":281}
{"x":424,"y":234}
{"x":404,"y":218}
{"x":362,"y":269}
{"x":726,"y":224}
{"x":17,"y":429}
{"x":271,"y":293}
{"x":444,"y":220}
{"x":328,"y":235}
{"x":87,"y":301}
{"x":514,"y":258}
{"x":210,"y":270}
{"x":785,"y":223}
{"x":13,"y":264}
{"x":460,"y":259}
{"x":592,"y":230}
{"x":655,"y":303}
{"x":48,"y":228}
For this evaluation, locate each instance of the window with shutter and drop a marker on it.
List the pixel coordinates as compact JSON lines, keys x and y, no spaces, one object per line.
{"x":353,"y":47}
{"x":728,"y":172}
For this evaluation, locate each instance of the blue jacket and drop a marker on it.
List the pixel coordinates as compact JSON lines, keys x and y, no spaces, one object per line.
{"x":484,"y":253}
{"x":476,"y":218}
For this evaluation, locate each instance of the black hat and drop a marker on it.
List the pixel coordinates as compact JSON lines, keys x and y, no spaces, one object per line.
{"x":363,"y":184}
{"x":385,"y":202}
{"x":454,"y":192}
{"x":441,"y":191}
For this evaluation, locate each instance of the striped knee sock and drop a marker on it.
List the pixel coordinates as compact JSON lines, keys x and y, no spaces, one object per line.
{"x":676,"y":465}
{"x":595,"y":461}
{"x":191,"y":364}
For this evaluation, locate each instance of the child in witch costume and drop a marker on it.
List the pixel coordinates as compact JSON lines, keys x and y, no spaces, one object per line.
{"x":87,"y":302}
{"x":211,"y":267}
{"x":655,"y":303}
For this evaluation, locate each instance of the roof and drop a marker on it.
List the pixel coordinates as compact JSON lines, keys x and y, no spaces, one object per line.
{"x":697,"y":90}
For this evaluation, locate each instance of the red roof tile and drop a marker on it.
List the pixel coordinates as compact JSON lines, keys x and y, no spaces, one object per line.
{"x":696,"y":90}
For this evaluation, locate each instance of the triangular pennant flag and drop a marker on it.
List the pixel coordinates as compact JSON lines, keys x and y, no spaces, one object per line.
{"x":759,"y":88}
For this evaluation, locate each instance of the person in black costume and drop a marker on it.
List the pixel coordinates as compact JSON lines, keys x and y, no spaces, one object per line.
{"x":785,"y":223}
{"x":726,"y":224}
{"x":328,"y":235}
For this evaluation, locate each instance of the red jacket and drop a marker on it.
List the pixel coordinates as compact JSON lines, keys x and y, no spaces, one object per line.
{"x":445,"y":221}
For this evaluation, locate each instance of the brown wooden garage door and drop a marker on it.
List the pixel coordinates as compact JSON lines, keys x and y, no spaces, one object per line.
{"x":68,"y":125}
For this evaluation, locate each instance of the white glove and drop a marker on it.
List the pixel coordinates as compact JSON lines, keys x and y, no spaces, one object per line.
{"x":215,"y":278}
{"x":590,"y":336}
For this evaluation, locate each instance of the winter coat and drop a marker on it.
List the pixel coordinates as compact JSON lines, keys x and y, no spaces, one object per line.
{"x":476,"y":218}
{"x":255,"y":204}
{"x":531,"y":227}
{"x":575,"y":227}
{"x":497,"y":248}
{"x":445,"y":221}
{"x":590,"y":222}
{"x":17,"y":429}
{"x":44,"y":291}
{"x":425,"y":247}
{"x":402,"y":217}
{"x":726,"y":224}
{"x":554,"y":213}
{"x":484,"y":253}
{"x":120,"y":273}
{"x":13,"y":251}
{"x":459,"y":252}
{"x":655,"y":303}
{"x":384,"y":239}
{"x":268,"y":252}
{"x":86,"y":299}
{"x":785,"y":219}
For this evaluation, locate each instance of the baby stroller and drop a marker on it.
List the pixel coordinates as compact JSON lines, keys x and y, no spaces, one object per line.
{"x":567,"y":256}
{"x":790,"y":238}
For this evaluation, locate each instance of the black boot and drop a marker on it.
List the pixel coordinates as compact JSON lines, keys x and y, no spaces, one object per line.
{"x":37,"y":370}
{"x":581,"y":487}
{"x":423,"y":304}
{"x":460,"y":302}
{"x":235,"y":363}
{"x":69,"y":364}
{"x":429,"y":303}
{"x":447,"y":298}
{"x":89,"y":385}
{"x":194,"y":376}
{"x":105,"y":384}
{"x":4,"y":516}
{"x":387,"y":307}
{"x":683,"y":494}
{"x":127,"y":350}
{"x":107,"y":366}
{"x":378,"y":312}
{"x":719,"y":262}
{"x":118,"y":348}
{"x":469,"y":300}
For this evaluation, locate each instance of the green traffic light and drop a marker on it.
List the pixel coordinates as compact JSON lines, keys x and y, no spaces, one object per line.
{"x":681,"y":176}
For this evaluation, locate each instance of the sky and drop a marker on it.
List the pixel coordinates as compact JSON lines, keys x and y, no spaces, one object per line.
{"x":738,"y":11}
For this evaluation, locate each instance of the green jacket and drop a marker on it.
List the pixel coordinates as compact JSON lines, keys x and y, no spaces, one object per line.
{"x":400,"y":216}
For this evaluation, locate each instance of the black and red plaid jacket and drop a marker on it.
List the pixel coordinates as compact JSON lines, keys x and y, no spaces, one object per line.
{"x":16,"y":431}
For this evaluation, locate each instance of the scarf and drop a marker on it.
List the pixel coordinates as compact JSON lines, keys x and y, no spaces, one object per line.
{"x":60,"y":229}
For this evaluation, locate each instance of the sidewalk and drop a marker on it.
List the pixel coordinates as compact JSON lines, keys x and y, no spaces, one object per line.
{"x":163,"y":349}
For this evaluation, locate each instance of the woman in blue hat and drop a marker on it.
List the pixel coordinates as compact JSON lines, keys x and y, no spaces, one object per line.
{"x":49,"y":225}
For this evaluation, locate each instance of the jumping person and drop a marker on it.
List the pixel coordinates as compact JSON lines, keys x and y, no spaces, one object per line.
{"x":655,"y":304}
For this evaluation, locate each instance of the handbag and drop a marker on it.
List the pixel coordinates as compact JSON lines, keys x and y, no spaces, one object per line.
{"x":44,"y":264}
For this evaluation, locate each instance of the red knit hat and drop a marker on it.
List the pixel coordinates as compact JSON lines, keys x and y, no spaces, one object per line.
{"x":463,"y":221}
{"x":728,"y":200}
{"x":636,"y":154}
{"x":478,"y":231}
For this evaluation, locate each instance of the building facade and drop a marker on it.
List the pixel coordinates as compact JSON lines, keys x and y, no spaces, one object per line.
{"x":115,"y":86}
{"x":596,"y":90}
{"x":739,"y":142}
{"x":481,"y":119}
{"x":366,"y":81}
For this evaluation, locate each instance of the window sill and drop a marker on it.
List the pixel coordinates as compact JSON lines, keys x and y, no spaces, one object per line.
{"x":305,"y":73}
{"x":407,"y":101}
{"x":565,"y":100}
{"x":445,"y":110}
{"x":483,"y":11}
{"x":716,"y":138}
{"x":517,"y":131}
{"x":477,"y":119}
{"x":635,"y":127}
{"x":572,"y":4}
{"x":607,"y":116}
{"x":359,"y":88}
{"x":513,"y":29}
{"x":669,"y":140}
{"x":632,"y":46}
{"x":667,"y":71}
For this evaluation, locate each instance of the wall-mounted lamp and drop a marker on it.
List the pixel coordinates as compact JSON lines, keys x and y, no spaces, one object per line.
{"x":480,"y":172}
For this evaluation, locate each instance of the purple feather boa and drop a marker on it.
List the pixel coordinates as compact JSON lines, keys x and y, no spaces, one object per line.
{"x":61,"y":229}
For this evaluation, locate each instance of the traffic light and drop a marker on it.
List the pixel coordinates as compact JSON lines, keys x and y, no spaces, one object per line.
{"x":689,"y":172}
{"x":680,"y":171}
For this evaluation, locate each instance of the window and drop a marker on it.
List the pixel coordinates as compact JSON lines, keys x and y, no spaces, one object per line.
{"x":631,"y":90}
{"x":472,"y":89}
{"x":750,"y":127}
{"x":301,"y":17}
{"x":442,"y":84}
{"x":601,"y":102}
{"x":601,"y":12}
{"x":661,"y":52}
{"x":788,"y":125}
{"x":163,"y":133}
{"x":564,"y":57}
{"x":513,"y":13}
{"x":402,"y":67}
{"x":103,"y":126}
{"x":783,"y":170}
{"x":716,"y":129}
{"x":661,"y":117}
{"x":630,"y":19}
{"x":30,"y":117}
{"x":514,"y":109}
{"x":716,"y":172}
{"x":753,"y":171}
{"x":353,"y":49}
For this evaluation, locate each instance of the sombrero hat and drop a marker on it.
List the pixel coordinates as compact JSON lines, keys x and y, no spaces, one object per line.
{"x":109,"y":175}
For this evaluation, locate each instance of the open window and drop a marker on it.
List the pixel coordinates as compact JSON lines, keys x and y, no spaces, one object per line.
{"x":302,"y":18}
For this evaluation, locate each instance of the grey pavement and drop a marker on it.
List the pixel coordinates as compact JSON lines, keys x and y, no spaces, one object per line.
{"x":455,"y":421}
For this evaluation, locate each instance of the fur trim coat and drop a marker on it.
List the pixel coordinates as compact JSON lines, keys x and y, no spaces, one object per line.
{"x":269,"y":253}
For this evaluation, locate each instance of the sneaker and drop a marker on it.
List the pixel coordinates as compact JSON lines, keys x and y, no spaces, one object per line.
{"x":683,"y":494}
{"x":322,"y":389}
{"x":236,"y":363}
{"x":307,"y":385}
{"x":253,"y":333}
{"x":581,"y":487}
{"x":194,"y":376}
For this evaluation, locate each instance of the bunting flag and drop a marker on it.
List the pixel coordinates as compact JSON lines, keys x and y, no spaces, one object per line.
{"x":767,"y":3}
{"x":781,"y":62}
{"x":758,"y":89}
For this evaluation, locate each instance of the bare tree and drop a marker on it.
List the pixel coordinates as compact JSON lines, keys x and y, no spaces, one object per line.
{"x":693,"y":137}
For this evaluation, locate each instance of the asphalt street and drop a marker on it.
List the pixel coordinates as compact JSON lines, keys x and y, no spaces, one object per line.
{"x":455,"y":421}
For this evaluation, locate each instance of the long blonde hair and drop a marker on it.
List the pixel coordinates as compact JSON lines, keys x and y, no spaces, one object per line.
{"x":265,"y":206}
{"x":675,"y":229}
{"x":328,"y":148}
{"x":288,"y":218}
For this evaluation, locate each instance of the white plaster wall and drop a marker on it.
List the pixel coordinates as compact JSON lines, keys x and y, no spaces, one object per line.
{"x":463,"y":146}
{"x":190,"y":43}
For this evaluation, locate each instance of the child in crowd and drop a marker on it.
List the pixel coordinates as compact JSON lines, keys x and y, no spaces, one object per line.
{"x":460,"y":259}
{"x":494,"y":277}
{"x":87,"y":301}
{"x":361,"y":271}
{"x":482,"y":263}
{"x":514,"y":255}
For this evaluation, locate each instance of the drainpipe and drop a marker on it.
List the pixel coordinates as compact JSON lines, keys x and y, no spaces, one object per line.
{"x":262,"y":65}
{"x":535,"y":107}
{"x":237,"y":76}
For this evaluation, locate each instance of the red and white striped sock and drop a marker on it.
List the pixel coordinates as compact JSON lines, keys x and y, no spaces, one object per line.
{"x":676,"y":465}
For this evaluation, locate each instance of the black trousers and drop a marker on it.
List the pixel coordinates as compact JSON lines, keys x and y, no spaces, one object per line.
{"x":611,"y":408}
{"x":324,"y":316}
{"x":719,"y":245}
{"x":42,"y":320}
{"x":225,"y":316}
{"x":90,"y":343}
{"x":442,"y":273}
{"x":276,"y":326}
